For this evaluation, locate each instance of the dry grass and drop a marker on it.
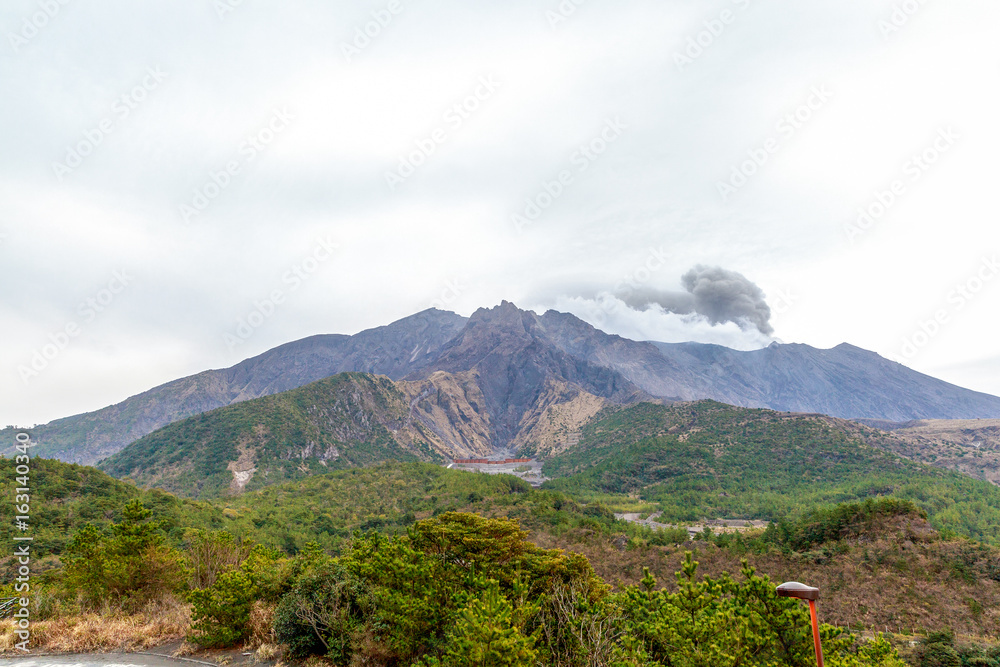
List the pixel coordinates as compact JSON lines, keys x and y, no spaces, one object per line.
{"x":886,"y":583}
{"x":261,"y":625}
{"x":268,"y":652}
{"x":186,"y":648}
{"x":91,"y":632}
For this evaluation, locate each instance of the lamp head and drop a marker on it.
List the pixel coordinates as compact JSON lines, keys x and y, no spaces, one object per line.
{"x":793,"y":589}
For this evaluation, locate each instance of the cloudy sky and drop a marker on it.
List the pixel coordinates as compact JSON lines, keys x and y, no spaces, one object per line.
{"x":187,"y":183}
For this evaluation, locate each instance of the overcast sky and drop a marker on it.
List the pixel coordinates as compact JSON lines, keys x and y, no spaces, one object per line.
{"x":169,"y":168}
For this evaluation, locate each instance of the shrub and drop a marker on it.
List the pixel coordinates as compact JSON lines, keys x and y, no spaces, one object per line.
{"x":724,"y":622}
{"x":212,"y":553}
{"x":222,"y":611}
{"x":488,"y":632}
{"x":879,"y":653}
{"x":845,"y":520}
{"x":130,"y":565}
{"x":939,"y":655}
{"x":321,"y":613}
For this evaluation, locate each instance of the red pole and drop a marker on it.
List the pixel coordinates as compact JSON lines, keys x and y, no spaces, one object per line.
{"x":819,"y":649}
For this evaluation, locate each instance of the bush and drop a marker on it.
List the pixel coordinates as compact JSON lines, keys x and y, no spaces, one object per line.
{"x":598,"y":511}
{"x":130,"y":565}
{"x":462,"y":589}
{"x":222,"y":611}
{"x":844,"y":520}
{"x":427,"y":595}
{"x":939,"y":651}
{"x":488,"y":632}
{"x":939,"y":655}
{"x":321,"y":614}
{"x":724,"y":622}
{"x":879,"y":653}
{"x":666,"y":536}
{"x":212,"y":553}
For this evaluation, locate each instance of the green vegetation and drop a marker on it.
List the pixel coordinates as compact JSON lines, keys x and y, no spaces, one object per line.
{"x":712,"y":460}
{"x":415,"y":564}
{"x":938,"y":649}
{"x":130,"y":563}
{"x":846,"y":521}
{"x":222,"y":609}
{"x":340,"y":422}
{"x":66,"y":496}
{"x":454,"y":590}
{"x":327,"y":509}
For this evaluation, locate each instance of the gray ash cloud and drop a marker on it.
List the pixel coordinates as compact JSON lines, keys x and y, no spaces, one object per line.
{"x":718,"y":294}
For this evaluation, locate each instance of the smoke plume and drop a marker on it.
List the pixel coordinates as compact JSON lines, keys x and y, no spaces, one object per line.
{"x":716,"y":293}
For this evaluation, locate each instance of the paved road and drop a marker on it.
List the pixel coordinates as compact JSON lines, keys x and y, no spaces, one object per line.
{"x":96,"y":660}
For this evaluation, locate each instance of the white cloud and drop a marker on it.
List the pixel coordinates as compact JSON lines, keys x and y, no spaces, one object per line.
{"x":613,"y":316}
{"x":655,"y":187}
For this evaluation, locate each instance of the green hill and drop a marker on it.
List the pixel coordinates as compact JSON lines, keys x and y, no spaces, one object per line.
{"x":389,"y":497}
{"x":711,"y":460}
{"x":326,"y":508}
{"x":878,"y":563}
{"x":64,"y":496}
{"x":347,"y":420}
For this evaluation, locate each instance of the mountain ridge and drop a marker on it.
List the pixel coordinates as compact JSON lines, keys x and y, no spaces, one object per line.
{"x":517,"y":357}
{"x":89,"y":437}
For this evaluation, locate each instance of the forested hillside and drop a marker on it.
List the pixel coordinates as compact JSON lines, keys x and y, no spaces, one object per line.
{"x":708,"y":459}
{"x":351,"y":419}
{"x":427,"y":563}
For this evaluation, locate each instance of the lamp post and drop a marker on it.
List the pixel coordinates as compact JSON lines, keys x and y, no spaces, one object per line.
{"x":794,"y":589}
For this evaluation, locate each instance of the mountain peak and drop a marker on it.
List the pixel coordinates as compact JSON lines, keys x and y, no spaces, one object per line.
{"x":505,"y":308}
{"x":515,"y":356}
{"x":506,"y":317}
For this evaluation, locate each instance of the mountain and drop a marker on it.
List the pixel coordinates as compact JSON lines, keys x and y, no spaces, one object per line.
{"x":519,"y":370}
{"x":845,"y":381}
{"x":511,"y":379}
{"x":499,"y":384}
{"x":392,"y":350}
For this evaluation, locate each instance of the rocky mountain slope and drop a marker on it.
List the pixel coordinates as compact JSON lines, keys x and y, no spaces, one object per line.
{"x":532,"y":380}
{"x":845,"y":381}
{"x":514,"y":363}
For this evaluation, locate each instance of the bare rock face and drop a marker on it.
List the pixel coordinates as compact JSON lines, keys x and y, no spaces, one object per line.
{"x":452,"y":410}
{"x":506,"y":378}
{"x":514,"y":362}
